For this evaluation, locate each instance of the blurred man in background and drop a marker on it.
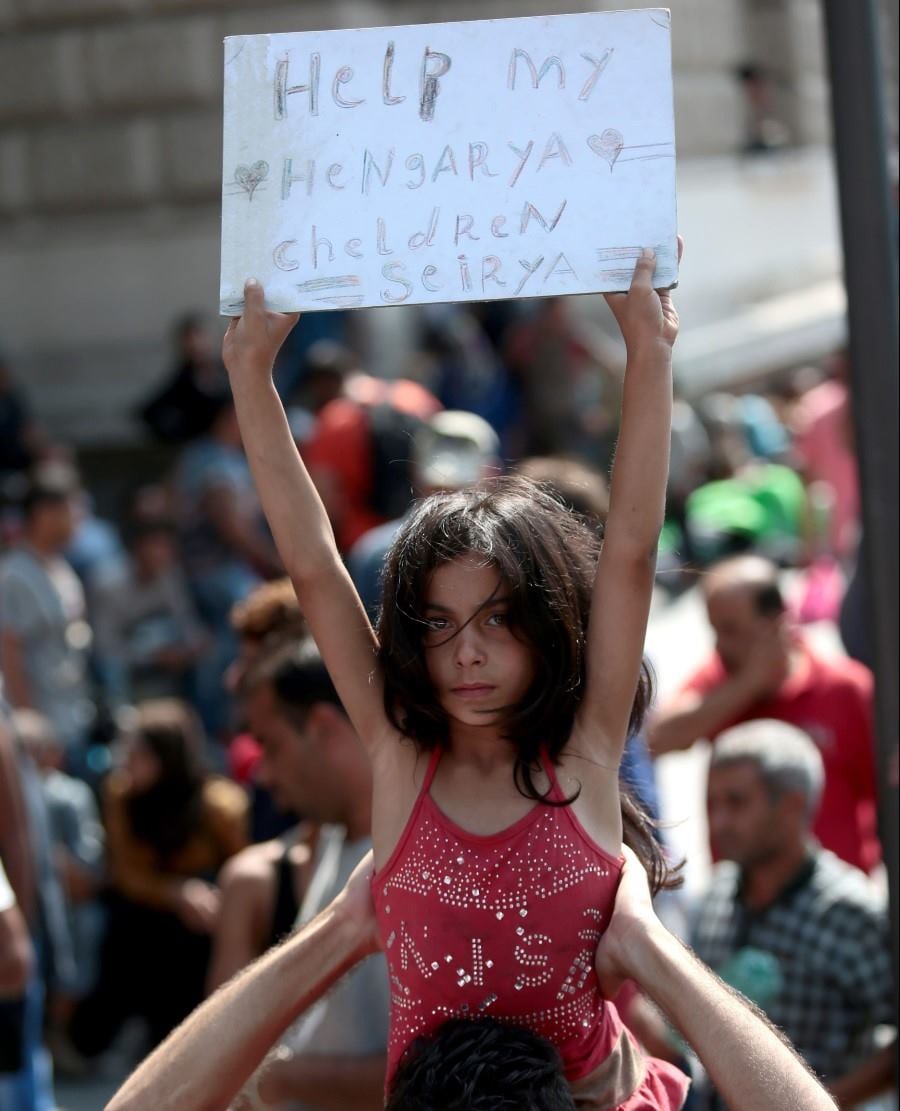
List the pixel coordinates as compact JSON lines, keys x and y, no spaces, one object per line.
{"x":313,"y":761}
{"x":44,"y":635}
{"x":763,"y":668}
{"x":797,"y":930}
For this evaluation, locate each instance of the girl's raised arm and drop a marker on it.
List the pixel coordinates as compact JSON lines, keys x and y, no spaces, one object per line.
{"x":627,"y":565}
{"x":298,"y":520}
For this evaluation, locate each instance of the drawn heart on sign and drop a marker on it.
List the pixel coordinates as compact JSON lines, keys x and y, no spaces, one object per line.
{"x":608,"y":146}
{"x":249,"y":177}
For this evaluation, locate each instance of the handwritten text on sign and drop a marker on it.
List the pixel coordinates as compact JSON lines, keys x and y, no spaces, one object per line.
{"x":448,"y":162}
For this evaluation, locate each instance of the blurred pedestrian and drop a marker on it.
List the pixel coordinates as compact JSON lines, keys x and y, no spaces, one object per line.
{"x":225,"y":545}
{"x":796,"y":930}
{"x":314,"y":762}
{"x":358,"y":453}
{"x":148,"y":635}
{"x":763,"y":667}
{"x":44,"y":634}
{"x":182,"y":408}
{"x":16,"y":957}
{"x":27,"y":851}
{"x":824,"y":453}
{"x":22,"y":441}
{"x":268,"y":618}
{"x":452,"y":450}
{"x":571,"y":394}
{"x":170,"y":827}
{"x":77,"y":843}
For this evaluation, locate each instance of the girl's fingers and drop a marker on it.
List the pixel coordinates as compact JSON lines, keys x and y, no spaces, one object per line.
{"x":254,"y":298}
{"x":643,"y":270}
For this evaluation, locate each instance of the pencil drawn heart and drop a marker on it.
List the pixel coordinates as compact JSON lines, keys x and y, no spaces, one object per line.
{"x":608,"y":146}
{"x":249,"y":177}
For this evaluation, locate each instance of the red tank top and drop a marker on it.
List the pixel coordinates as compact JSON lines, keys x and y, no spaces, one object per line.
{"x":503,"y":926}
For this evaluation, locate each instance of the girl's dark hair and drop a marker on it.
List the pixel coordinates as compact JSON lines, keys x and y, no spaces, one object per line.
{"x":169,"y":812}
{"x":480,"y":1065}
{"x":547,"y":558}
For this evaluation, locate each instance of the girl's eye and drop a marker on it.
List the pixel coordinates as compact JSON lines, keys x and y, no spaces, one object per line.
{"x":436,"y":623}
{"x":498,"y":619}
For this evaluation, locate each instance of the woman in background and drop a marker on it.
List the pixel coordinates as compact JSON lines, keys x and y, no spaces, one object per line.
{"x":170,"y":827}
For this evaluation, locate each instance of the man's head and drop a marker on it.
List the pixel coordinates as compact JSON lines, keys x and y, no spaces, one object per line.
{"x":326,"y":366}
{"x":267,"y":618}
{"x":743,"y":604}
{"x":313,"y":762}
{"x":453,"y":450}
{"x":765,"y":783}
{"x":50,"y":506}
{"x":582,"y":488}
{"x":480,"y":1065}
{"x":153,"y":548}
{"x":194,"y":338}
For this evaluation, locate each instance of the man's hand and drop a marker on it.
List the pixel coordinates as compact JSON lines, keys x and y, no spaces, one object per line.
{"x":645,"y":316}
{"x":254,"y":339}
{"x":633,"y":919}
{"x":354,"y":904}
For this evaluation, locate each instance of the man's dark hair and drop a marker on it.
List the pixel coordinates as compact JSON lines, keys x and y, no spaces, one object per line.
{"x":480,"y":1065}
{"x":327,"y":357}
{"x":298,"y":678}
{"x":768,"y":600}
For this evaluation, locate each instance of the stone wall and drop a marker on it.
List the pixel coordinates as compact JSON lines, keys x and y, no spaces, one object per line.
{"x":110,"y":121}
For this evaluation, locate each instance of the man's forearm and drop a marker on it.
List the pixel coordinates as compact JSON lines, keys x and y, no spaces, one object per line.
{"x":329,"y":1082}
{"x":205,"y":1062}
{"x":746,"y":1059}
{"x":677,"y":728}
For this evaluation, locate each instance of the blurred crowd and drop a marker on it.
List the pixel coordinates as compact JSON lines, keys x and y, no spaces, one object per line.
{"x":179,"y":784}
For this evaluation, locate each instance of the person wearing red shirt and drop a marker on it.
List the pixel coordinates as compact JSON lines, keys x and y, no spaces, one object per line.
{"x":763,"y":668}
{"x":340,"y":453}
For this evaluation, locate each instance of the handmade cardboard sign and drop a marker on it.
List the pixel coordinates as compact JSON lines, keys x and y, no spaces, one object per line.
{"x":449,"y":161}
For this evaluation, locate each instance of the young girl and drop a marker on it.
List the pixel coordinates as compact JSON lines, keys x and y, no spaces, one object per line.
{"x":494,"y":713}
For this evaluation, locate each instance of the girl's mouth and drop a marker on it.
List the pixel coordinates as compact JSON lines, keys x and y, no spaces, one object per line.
{"x":473,"y":690}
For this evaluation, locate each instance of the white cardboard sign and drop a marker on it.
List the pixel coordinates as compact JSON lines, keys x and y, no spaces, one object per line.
{"x":449,"y":161}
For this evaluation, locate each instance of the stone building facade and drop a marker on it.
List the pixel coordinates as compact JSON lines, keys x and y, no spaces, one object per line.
{"x":110,"y":165}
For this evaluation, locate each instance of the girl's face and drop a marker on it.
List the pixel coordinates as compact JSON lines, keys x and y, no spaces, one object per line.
{"x":478,"y":667}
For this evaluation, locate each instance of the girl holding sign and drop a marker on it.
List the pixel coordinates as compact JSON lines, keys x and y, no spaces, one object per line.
{"x":495,"y":701}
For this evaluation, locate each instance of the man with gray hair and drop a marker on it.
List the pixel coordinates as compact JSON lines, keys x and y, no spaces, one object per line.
{"x":786,"y":922}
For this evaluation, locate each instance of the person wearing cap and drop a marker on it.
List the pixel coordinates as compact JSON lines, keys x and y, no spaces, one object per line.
{"x":454,"y":449}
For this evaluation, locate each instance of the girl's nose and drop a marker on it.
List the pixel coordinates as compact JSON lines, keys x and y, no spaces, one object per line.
{"x":469,"y":649}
